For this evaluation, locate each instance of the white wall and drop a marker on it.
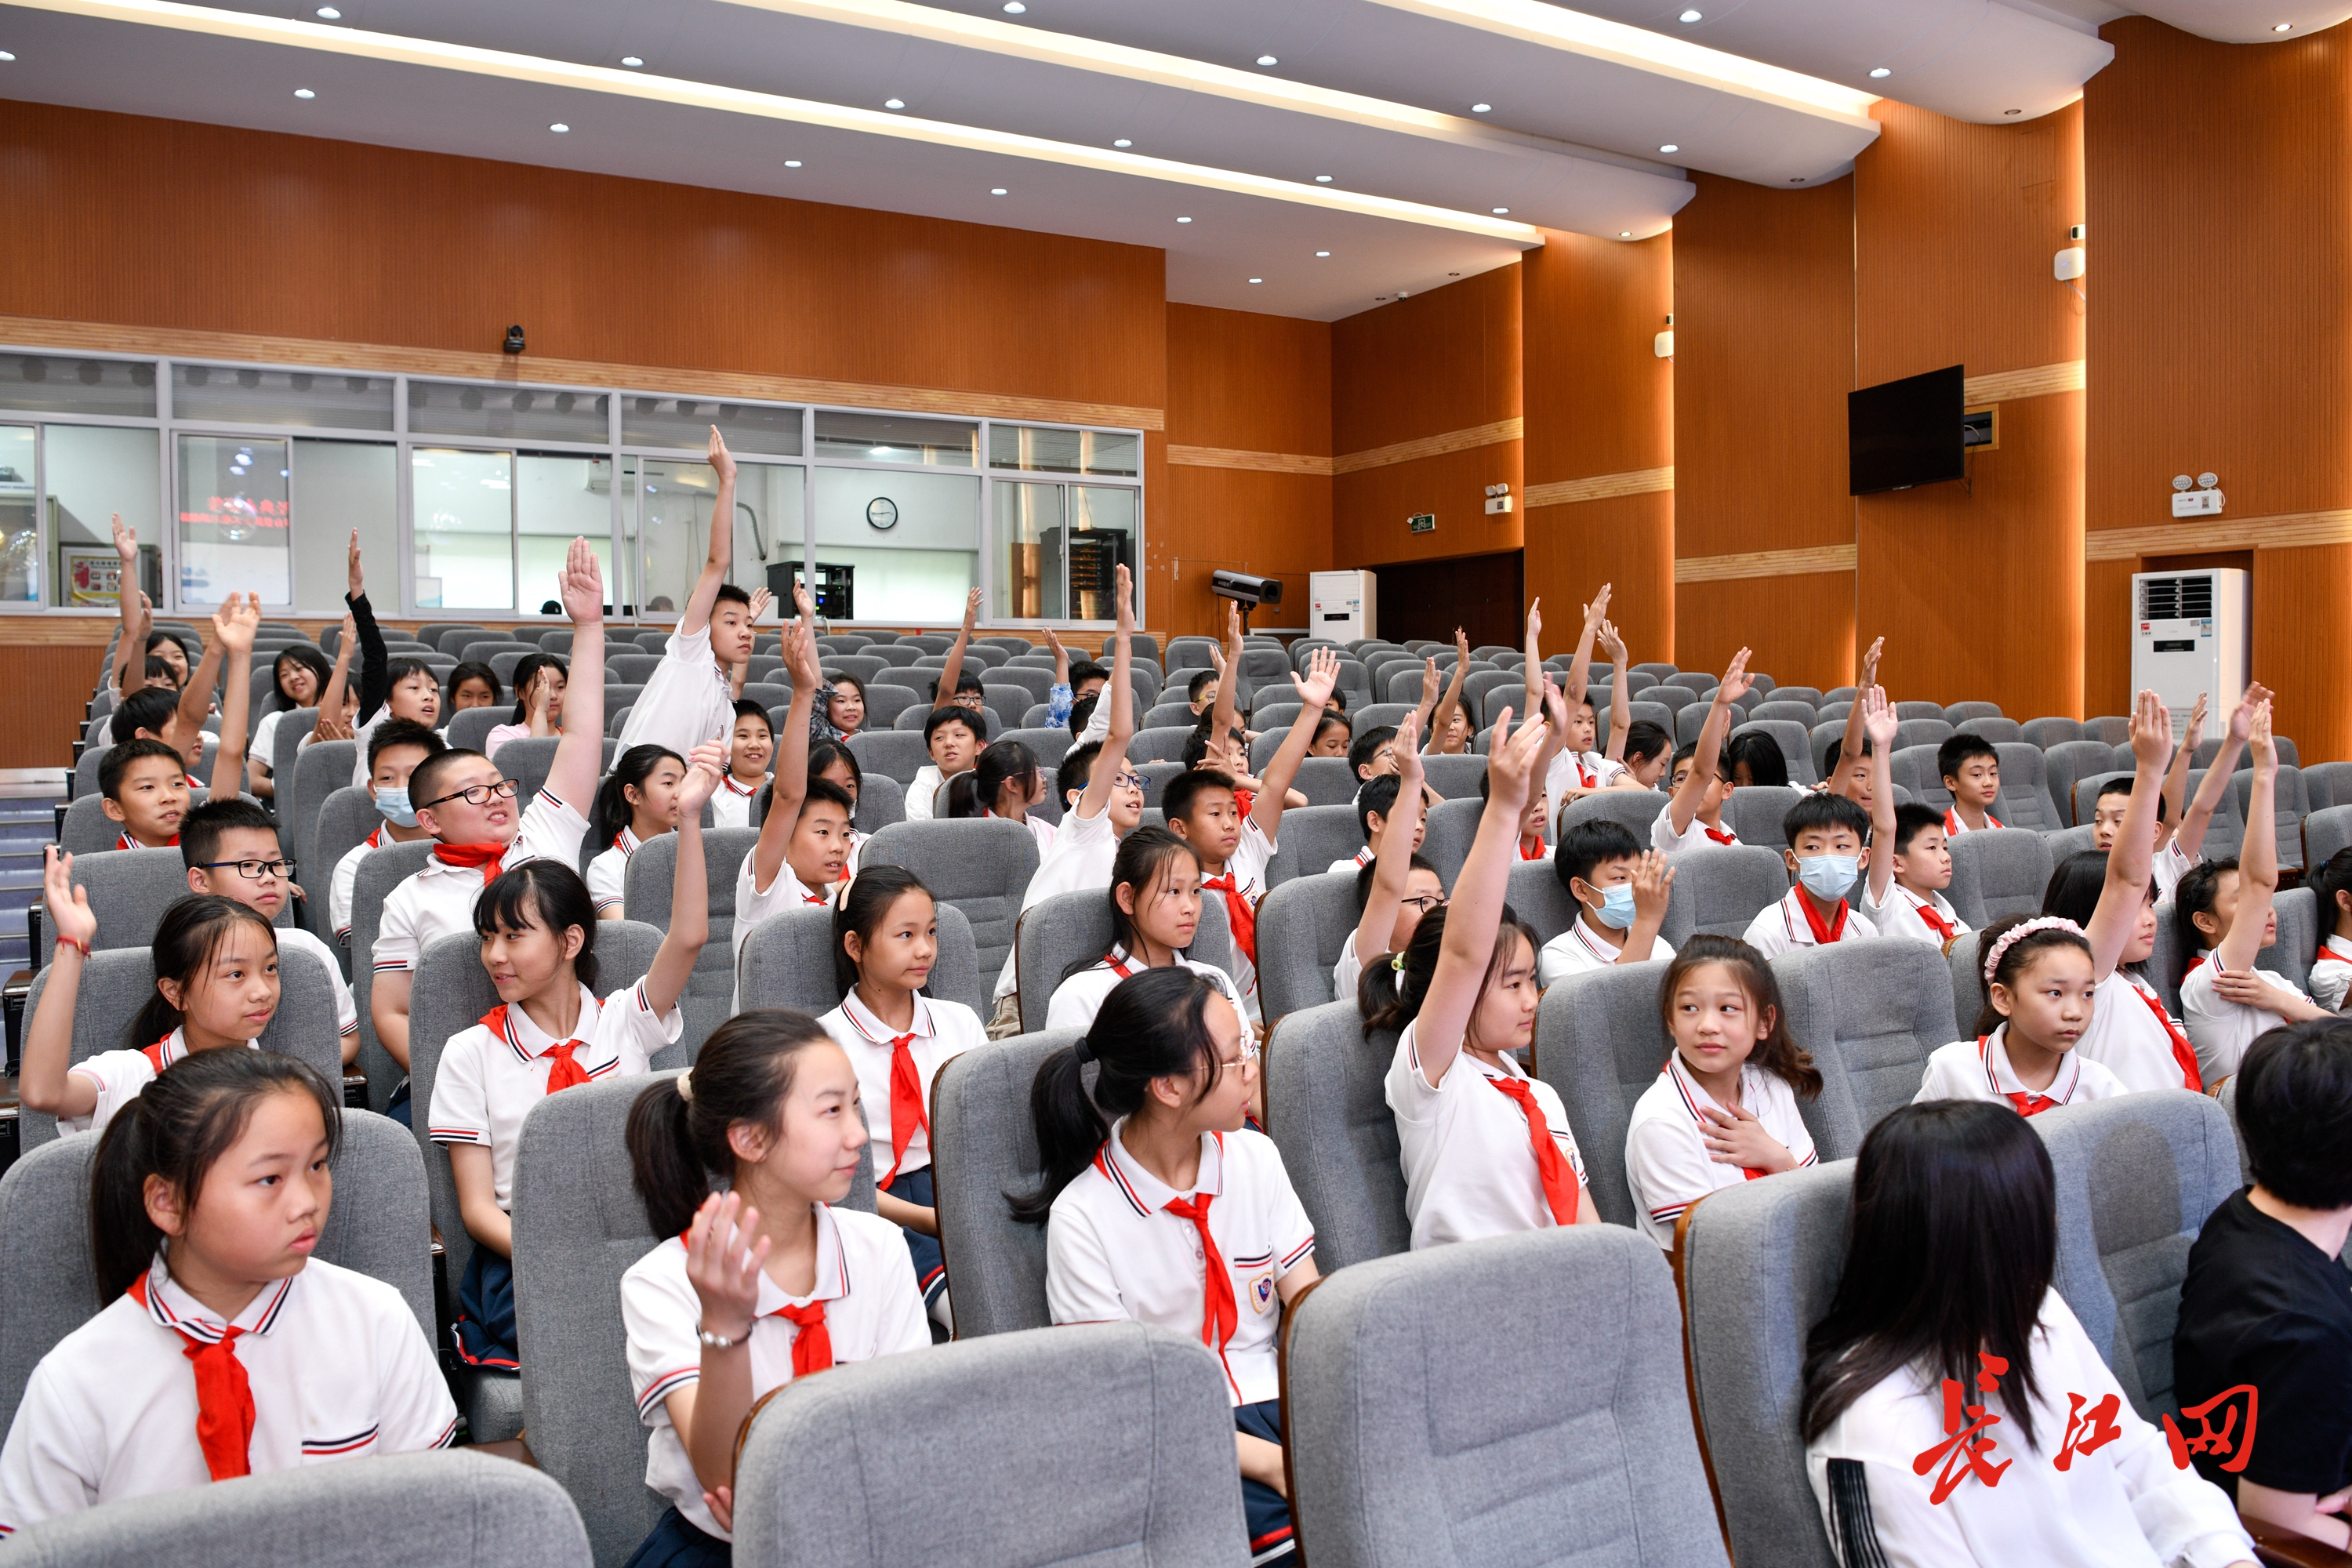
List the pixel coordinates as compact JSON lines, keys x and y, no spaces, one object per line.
{"x":917,"y":571}
{"x":339,"y":486}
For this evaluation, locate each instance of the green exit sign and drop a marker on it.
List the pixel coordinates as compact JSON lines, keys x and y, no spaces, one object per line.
{"x":1421,"y":522}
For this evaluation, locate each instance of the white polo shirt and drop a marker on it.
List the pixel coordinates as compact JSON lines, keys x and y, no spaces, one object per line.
{"x":1246,"y":865}
{"x":438,"y":900}
{"x":1578,"y":950}
{"x":1039,"y":829}
{"x":294,"y":939}
{"x":2129,"y":1035}
{"x":1954,"y":827}
{"x":2331,"y":974}
{"x":926,"y":797}
{"x":1699,"y":835}
{"x":688,"y":701}
{"x":940,"y":1030}
{"x":119,"y":1076}
{"x":1783,"y":928}
{"x":1578,"y":773}
{"x":493,"y":1073}
{"x":730,"y":803}
{"x":2220,"y":1029}
{"x":1115,"y":1254}
{"x":608,"y":873}
{"x":1081,"y":859}
{"x":1347,"y":970}
{"x":1355,"y":863}
{"x":1898,"y":914}
{"x":1979,"y":1069}
{"x":337,"y":1364}
{"x":754,"y":904}
{"x":2168,"y":866}
{"x":1077,"y":1000}
{"x":1468,"y":1169}
{"x":346,"y":878}
{"x":871,"y":1308}
{"x":1667,"y":1159}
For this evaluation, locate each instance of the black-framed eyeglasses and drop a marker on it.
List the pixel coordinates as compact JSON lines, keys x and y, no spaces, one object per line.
{"x":255,"y":871}
{"x":1424,"y":903}
{"x":1128,"y":781}
{"x":476,"y":794}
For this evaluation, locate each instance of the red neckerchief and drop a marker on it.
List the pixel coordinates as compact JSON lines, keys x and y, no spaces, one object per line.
{"x":1239,"y":914}
{"x":224,"y":1413}
{"x":1824,"y":932}
{"x":2028,"y":1102}
{"x":2184,"y":1054}
{"x":127,"y":842}
{"x":489,"y":859}
{"x":1535,"y":854}
{"x":1943,"y":928}
{"x":1952,"y":823}
{"x":1718,"y":835}
{"x":562,"y":1071}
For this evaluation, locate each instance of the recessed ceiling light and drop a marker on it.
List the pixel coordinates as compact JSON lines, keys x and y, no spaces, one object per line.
{"x":304,"y":92}
{"x":1257,"y":279}
{"x":1671,"y":147}
{"x":996,"y":190}
{"x":558,"y":128}
{"x":632,"y":62}
{"x":791,"y":162}
{"x":1184,"y":220}
{"x":1322,"y":253}
{"x":894,"y":103}
{"x":2012,"y":111}
{"x":1624,"y":233}
{"x":1482,"y":109}
{"x":5,"y":56}
{"x":1122,"y":142}
{"x":329,"y":14}
{"x":1501,"y":211}
{"x":1322,"y":179}
{"x":1880,"y":73}
{"x":1013,"y":7}
{"x":1691,"y":15}
{"x":1268,"y":61}
{"x":1796,"y":179}
{"x":2283,"y":28}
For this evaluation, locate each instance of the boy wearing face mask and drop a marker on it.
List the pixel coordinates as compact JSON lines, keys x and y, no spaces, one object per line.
{"x":393,"y":752}
{"x":1825,"y":834}
{"x":1621,"y":893}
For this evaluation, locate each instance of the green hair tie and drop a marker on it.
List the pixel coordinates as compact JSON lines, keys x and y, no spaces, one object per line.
{"x":1397,"y":964}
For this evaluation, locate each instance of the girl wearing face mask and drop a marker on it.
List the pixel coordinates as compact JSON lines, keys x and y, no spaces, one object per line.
{"x":1620,"y":891}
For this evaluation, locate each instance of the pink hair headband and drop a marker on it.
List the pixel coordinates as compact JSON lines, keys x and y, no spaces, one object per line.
{"x":2024,"y":929}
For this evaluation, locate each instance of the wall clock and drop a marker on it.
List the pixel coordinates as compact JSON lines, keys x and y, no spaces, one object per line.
{"x":882,"y":512}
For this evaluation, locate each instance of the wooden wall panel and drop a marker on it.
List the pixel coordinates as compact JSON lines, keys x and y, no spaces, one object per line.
{"x":1275,"y":525}
{"x":1798,"y":628}
{"x":1369,"y":508}
{"x":1955,"y":227}
{"x":1599,"y":401}
{"x":48,"y":686}
{"x":2220,"y":192}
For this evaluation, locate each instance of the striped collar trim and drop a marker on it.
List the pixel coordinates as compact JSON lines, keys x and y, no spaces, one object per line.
{"x":517,"y":1029}
{"x":873,"y":1031}
{"x":175,"y":1309}
{"x":1992,"y":1055}
{"x":1146,"y":1193}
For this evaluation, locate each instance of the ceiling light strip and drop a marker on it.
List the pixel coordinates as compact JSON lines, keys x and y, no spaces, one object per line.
{"x":503,"y":63}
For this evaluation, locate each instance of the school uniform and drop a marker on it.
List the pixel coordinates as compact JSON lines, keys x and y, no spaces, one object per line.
{"x":438,"y":900}
{"x":1353,"y":864}
{"x":2331,"y":974}
{"x":866,"y":1304}
{"x":1039,"y":829}
{"x":500,"y":735}
{"x":1979,"y":1069}
{"x":608,"y":873}
{"x":1573,"y":772}
{"x":2132,"y":1036}
{"x":1346,"y":971}
{"x":1954,"y":827}
{"x":2221,"y":1030}
{"x":1083,"y":854}
{"x":1243,"y":886}
{"x":1667,"y":1159}
{"x":345,"y":881}
{"x":1078,"y":999}
{"x":125,"y":840}
{"x":119,"y":1076}
{"x":925,"y":796}
{"x":688,"y":701}
{"x":1467,"y":1147}
{"x":1791,"y":924}
{"x":1580,"y":949}
{"x":264,"y":746}
{"x":1662,"y":835}
{"x":335,"y":1366}
{"x":294,"y":939}
{"x":490,"y":1076}
{"x":2168,"y":866}
{"x":1123,"y":1245}
{"x":894,"y":1084}
{"x":2121,"y":1503}
{"x":731,"y":806}
{"x":754,"y":903}
{"x":1903,"y":914}
{"x":1542,"y":851}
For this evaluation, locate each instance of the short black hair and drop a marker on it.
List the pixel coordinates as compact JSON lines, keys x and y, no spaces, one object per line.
{"x":1590,"y":843}
{"x":1077,"y":762}
{"x":1082,"y":713}
{"x":1192,"y":688}
{"x":1767,"y":763}
{"x":161,"y":668}
{"x":830,"y":793}
{"x":1087,"y":669}
{"x":462,"y":673}
{"x":1371,"y":869}
{"x":202,"y":829}
{"x":2198,"y":885}
{"x":1366,"y":746}
{"x":967,"y":681}
{"x":1957,"y":751}
{"x":1376,"y":795}
{"x":942,"y":717}
{"x":1177,"y":796}
{"x":2295,"y":1112}
{"x":2326,"y":881}
{"x":403,"y":732}
{"x":2122,"y":785}
{"x":1830,"y":754}
{"x":1912,"y":819}
{"x":747,"y":709}
{"x":424,"y":786}
{"x":122,"y":754}
{"x":150,"y":707}
{"x":729,"y":594}
{"x":1816,"y":810}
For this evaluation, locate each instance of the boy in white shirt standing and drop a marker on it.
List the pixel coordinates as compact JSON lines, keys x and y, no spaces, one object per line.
{"x":1910,"y":861}
{"x":689,"y":699}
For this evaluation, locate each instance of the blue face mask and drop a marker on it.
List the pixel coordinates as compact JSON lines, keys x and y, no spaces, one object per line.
{"x":1829,"y":877}
{"x":1616,"y":910}
{"x":393,"y":804}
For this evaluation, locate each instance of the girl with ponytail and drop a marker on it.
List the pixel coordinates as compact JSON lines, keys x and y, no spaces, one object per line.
{"x":1006,"y":783}
{"x":639,"y":800}
{"x":1172,"y":1212}
{"x":761,"y":1285}
{"x":1155,"y":909}
{"x":225,"y":1348}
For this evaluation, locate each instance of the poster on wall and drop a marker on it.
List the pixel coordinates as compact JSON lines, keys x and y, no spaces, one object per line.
{"x":93,"y":577}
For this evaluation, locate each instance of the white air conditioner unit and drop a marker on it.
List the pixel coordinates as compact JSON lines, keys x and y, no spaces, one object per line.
{"x":1342,"y":606}
{"x":2189,"y":636}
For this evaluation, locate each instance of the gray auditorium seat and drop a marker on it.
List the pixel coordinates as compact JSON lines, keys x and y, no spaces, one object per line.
{"x":1632,"y":809}
{"x":1302,"y":925}
{"x":287,"y":754}
{"x":2325,"y":833}
{"x":2025,"y":799}
{"x":1871,"y":1013}
{"x":324,"y":767}
{"x":1074,"y":929}
{"x":1727,"y":886}
{"x":2326,"y":784}
{"x":2289,"y":807}
{"x":982,"y":866}
{"x":1960,"y":713}
{"x":1756,"y":811}
{"x":2047,"y":732}
{"x":1600,"y":1041}
{"x":1454,"y":777}
{"x":646,"y":895}
{"x":1920,"y":732}
{"x":346,"y":820}
{"x":787,"y":961}
{"x":1913,"y":767}
{"x":1164,"y":744}
{"x":1452,"y":825}
{"x":2065,"y":761}
{"x":1326,"y":1112}
{"x":1997,"y":872}
{"x":1313,"y":837}
{"x":984,"y":1145}
{"x":1781,"y":706}
{"x":900,"y":754}
{"x":1991,"y":727}
{"x":1325,"y":781}
{"x":383,"y":869}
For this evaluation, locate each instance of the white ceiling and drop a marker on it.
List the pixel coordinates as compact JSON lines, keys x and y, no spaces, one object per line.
{"x":1574,"y":107}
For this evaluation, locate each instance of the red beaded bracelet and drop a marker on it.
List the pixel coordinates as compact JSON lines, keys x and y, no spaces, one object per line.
{"x":78,"y":946}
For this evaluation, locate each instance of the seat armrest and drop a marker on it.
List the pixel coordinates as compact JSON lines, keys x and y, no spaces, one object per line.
{"x":12,"y":1001}
{"x":2279,"y":1548}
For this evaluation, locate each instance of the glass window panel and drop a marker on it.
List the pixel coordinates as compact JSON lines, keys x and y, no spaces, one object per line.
{"x":20,"y":533}
{"x":1101,"y":539}
{"x":463,"y":522}
{"x":749,"y":428}
{"x":920,"y":567}
{"x":1029,"y":547}
{"x":325,"y":399}
{"x":559,"y":497}
{"x":677,"y":499}
{"x":1041,"y":450}
{"x":624,"y":593}
{"x":89,"y":473}
{"x":770,"y":529}
{"x":898,"y":438}
{"x":339,"y":486}
{"x":508,"y":413}
{"x":65,"y":384}
{"x":234,"y":510}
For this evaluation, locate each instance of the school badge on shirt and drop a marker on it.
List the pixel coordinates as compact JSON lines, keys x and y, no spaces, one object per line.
{"x":1261,"y":1293}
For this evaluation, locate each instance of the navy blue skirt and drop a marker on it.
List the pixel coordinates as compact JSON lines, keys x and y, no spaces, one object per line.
{"x":931,"y":1264}
{"x":1266,"y":1510}
{"x":485,"y":1329}
{"x":676,"y":1542}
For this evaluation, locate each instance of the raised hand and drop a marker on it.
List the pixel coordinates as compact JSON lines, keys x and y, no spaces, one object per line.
{"x":126,"y":541}
{"x":724,"y":1265}
{"x":146,"y":616}
{"x":1654,"y":882}
{"x":1053,"y":645}
{"x":1512,"y":764}
{"x":1555,"y":705}
{"x":1734,"y":683}
{"x":542,"y":694}
{"x":761,"y":599}
{"x":1406,"y":750}
{"x":69,"y":914}
{"x":703,"y":766}
{"x":1597,"y":611}
{"x":1612,"y":644}
{"x":2259,"y":741}
{"x":2242,"y":717}
{"x":2151,"y":731}
{"x":235,"y":622}
{"x":1124,"y":596}
{"x":581,"y":584}
{"x":2194,"y":735}
{"x":1870,"y":662}
{"x":723,"y":461}
{"x":1535,"y":620}
{"x":1462,"y":645}
{"x":351,"y":632}
{"x":971,"y":611}
{"x":1879,"y":722}
{"x":1233,"y":630}
{"x":354,"y":575}
{"x":1322,"y":675}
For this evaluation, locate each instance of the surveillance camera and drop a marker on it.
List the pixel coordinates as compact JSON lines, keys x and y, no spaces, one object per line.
{"x":1242,"y":588}
{"x":514,"y":339}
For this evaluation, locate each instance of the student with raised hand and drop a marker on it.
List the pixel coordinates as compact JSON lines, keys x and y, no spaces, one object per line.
{"x":228,"y":655}
{"x":1224,"y":711}
{"x":389,"y":688}
{"x":639,"y":800}
{"x":468,"y":805}
{"x":1486,"y":1149}
{"x":689,"y":698}
{"x":804,"y":839}
{"x":130,"y":637}
{"x":1176,"y":1213}
{"x":1946,"y":1300}
{"x":2226,"y":917}
{"x":215,"y":967}
{"x":1155,"y":911}
{"x":1909,"y":865}
{"x":1620,"y":890}
{"x":1846,"y":772}
{"x":886,"y":938}
{"x":547,"y":1033}
{"x":2175,"y":856}
{"x":1693,"y":815}
{"x":2108,"y":898}
{"x":1450,"y":731}
{"x":226,"y":1348}
{"x":770,"y":1281}
{"x":1397,"y":887}
{"x":1579,"y":768}
{"x":950,"y":691}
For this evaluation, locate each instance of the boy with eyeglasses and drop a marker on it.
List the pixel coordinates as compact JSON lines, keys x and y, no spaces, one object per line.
{"x":468,"y":807}
{"x":230,"y":848}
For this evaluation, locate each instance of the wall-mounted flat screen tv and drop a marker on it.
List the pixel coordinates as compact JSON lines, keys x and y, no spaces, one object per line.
{"x":1906,"y":433}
